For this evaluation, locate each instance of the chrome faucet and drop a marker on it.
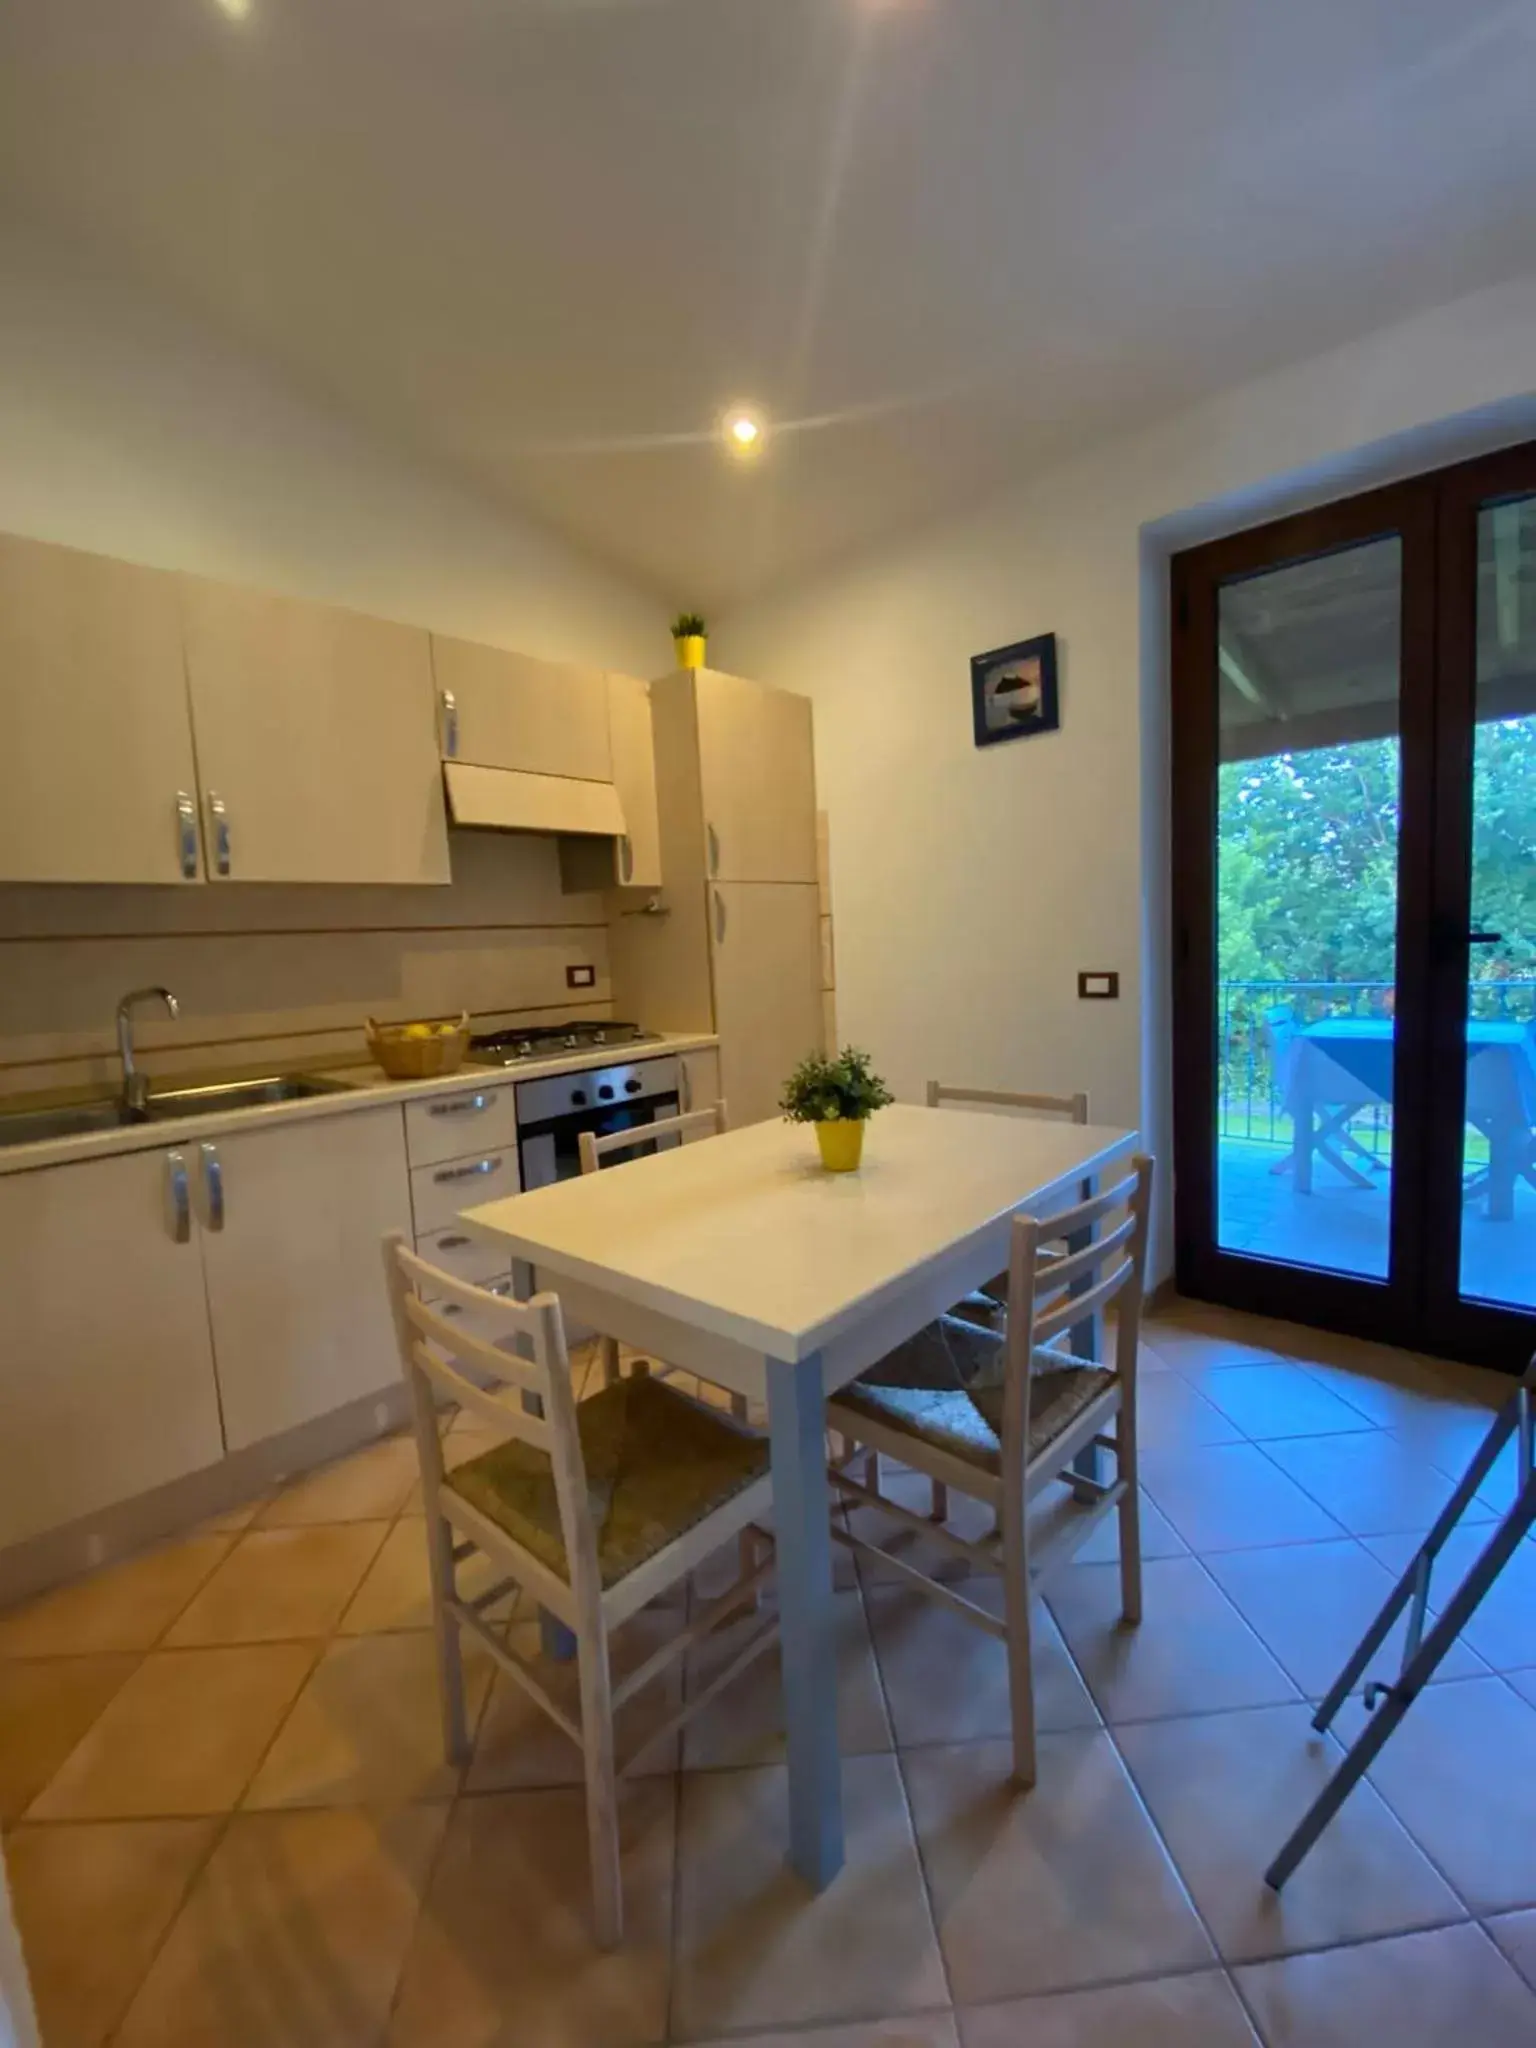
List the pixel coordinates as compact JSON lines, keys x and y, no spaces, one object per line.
{"x":135,"y":1093}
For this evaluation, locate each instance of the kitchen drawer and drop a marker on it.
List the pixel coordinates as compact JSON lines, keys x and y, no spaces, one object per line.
{"x":449,"y":1126}
{"x":439,"y":1192}
{"x":465,"y":1257}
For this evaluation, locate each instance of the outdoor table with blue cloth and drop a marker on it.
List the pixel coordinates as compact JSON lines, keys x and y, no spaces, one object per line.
{"x":1341,"y":1053}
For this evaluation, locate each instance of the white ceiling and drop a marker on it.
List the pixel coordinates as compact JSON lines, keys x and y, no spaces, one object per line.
{"x":544,"y":241}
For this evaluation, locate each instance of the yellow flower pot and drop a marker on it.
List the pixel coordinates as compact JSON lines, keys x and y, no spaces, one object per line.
{"x":690,"y":650}
{"x":842,"y":1144}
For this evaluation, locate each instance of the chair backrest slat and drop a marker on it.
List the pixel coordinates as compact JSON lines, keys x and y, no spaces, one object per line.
{"x":1068,"y":1223}
{"x":1074,"y":1107}
{"x":594,"y":1149}
{"x":1077,"y":1307}
{"x":1085,"y":1262}
{"x":509,"y":1367}
{"x":513,"y":1421}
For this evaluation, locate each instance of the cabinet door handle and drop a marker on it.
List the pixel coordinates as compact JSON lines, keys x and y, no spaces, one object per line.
{"x":213,"y":1185}
{"x":186,"y":834}
{"x":684,"y":1087}
{"x":626,"y":857}
{"x":714,"y":849}
{"x":455,"y":1241}
{"x":447,"y":1173}
{"x":719,"y":919}
{"x":218,"y":831}
{"x":461,"y":1105}
{"x":178,"y":1200}
{"x":450,"y":705}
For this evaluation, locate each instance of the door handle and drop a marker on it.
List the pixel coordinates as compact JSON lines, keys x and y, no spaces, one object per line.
{"x":450,"y":705}
{"x":714,"y":849}
{"x":1485,"y":938}
{"x":213,"y":1185}
{"x":719,"y":918}
{"x":448,"y":1173}
{"x":684,"y":1087}
{"x":626,"y":857}
{"x":186,"y":834}
{"x":178,"y":1202}
{"x":461,"y":1105}
{"x":218,"y":827}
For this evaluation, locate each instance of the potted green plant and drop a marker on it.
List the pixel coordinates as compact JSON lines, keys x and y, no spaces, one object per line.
{"x":688,"y":631}
{"x":838,"y":1095}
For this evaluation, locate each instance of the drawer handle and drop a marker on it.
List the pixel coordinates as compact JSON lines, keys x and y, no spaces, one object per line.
{"x":447,"y":1173}
{"x":461,"y":1105}
{"x":455,"y":1241}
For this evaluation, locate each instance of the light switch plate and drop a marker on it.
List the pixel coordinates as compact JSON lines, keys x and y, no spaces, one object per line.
{"x":1098,"y":986}
{"x":581,"y":977}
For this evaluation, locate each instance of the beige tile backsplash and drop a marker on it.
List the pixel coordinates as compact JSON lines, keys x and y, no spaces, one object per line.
{"x":290,"y":974}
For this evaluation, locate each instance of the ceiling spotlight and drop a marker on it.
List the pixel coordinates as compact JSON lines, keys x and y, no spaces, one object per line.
{"x":743,"y":431}
{"x":236,"y":10}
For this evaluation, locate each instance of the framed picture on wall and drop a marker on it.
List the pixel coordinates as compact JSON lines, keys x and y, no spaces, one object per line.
{"x":1013,"y":691}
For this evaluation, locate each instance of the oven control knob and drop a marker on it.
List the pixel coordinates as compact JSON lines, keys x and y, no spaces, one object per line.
{"x":633,"y":1085}
{"x":605,"y":1093}
{"x":578,"y":1098}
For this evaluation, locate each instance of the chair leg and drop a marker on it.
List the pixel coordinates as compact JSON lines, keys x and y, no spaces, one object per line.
{"x":872,"y":1470}
{"x":450,"y":1655}
{"x":602,"y":1791}
{"x":610,"y":1348}
{"x":940,"y":1500}
{"x":1021,"y":1678}
{"x":1129,"y":1515}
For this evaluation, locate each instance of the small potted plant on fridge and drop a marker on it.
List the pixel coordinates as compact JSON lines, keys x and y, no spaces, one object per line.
{"x":838,"y":1095}
{"x":688,"y":637}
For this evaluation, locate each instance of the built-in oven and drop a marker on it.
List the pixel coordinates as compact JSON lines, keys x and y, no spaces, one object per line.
{"x":553,"y":1113}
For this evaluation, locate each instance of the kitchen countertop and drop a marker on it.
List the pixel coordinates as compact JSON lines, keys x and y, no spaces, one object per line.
{"x":366,"y":1087}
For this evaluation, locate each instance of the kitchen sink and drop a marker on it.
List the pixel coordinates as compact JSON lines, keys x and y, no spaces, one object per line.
{"x":167,"y":1105}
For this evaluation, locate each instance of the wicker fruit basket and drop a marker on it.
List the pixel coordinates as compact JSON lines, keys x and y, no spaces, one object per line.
{"x":420,"y":1051}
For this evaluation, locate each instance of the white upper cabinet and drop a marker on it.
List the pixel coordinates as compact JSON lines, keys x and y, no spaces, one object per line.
{"x":316,"y":747}
{"x":501,"y":710}
{"x":97,"y":782}
{"x":758,"y":781}
{"x":632,"y":859}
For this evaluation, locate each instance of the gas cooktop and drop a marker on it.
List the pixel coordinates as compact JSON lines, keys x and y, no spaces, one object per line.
{"x":521,"y":1042}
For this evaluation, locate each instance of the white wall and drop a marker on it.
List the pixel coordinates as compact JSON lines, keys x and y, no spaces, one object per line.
{"x":969,"y":886}
{"x":127,"y":430}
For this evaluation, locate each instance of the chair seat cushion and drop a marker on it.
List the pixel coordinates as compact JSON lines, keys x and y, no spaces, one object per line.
{"x":656,"y":1463}
{"x":945,"y":1387}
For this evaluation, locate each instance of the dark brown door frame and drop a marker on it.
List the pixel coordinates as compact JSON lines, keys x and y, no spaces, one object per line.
{"x":1436,"y":516}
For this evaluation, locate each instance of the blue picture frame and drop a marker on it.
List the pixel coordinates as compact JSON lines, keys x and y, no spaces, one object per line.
{"x":1014,"y":692}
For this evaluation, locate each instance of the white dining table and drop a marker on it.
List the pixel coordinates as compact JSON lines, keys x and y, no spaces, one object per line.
{"x":741,"y":1259}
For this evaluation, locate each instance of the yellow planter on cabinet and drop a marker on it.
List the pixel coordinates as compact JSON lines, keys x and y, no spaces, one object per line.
{"x":690,"y":650}
{"x":842,"y":1144}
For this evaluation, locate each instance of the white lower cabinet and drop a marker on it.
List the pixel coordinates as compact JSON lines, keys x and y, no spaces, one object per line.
{"x":108,"y":1381}
{"x":295,"y":1272}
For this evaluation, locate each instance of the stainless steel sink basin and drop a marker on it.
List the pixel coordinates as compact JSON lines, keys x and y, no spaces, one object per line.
{"x":210,"y":1097}
{"x":168,"y":1105}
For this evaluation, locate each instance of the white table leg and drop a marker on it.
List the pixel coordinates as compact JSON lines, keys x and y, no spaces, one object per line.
{"x":801,"y":1514}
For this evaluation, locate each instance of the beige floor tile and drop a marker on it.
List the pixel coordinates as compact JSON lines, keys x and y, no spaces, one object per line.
{"x":504,"y":1955}
{"x":1202,"y":2011}
{"x":396,"y":1591}
{"x":947,"y":1681}
{"x":1194,"y":1351}
{"x":971,"y":1520}
{"x":92,"y":1904}
{"x":366,"y":1729}
{"x":183,"y":1735}
{"x":1191,"y":1653}
{"x":1373,"y":1484}
{"x":1460,"y":1774}
{"x":1173,"y":1415}
{"x":745,"y":1723}
{"x":1053,"y":1511}
{"x":1503,"y":1630}
{"x":1524,"y":1683}
{"x":1516,"y":1935}
{"x":519,"y":1746}
{"x":126,"y":1607}
{"x":370,"y":1485}
{"x":1226,"y":1790}
{"x":234,"y":1521}
{"x":278,"y":1585}
{"x":1312,"y":1602}
{"x":935,"y":2030}
{"x":719,"y":1571}
{"x":1270,"y":1401}
{"x":757,"y":1949}
{"x":1232,"y":1497}
{"x":1048,"y":1890}
{"x":1420,"y":1991}
{"x":46,"y":1706}
{"x":295,"y":1934}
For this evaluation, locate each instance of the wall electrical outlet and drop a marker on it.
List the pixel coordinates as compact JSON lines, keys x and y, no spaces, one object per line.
{"x":581,"y":977}
{"x":1094,"y":986}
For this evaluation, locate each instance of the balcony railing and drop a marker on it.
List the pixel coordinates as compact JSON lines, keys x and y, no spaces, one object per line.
{"x":1248,"y":1105}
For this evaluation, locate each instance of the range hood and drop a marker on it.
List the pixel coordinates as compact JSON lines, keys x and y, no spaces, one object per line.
{"x":511,"y":800}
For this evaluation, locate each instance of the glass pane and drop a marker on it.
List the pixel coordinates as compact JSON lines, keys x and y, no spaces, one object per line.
{"x":1307,"y":833}
{"x":1498,"y":1228}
